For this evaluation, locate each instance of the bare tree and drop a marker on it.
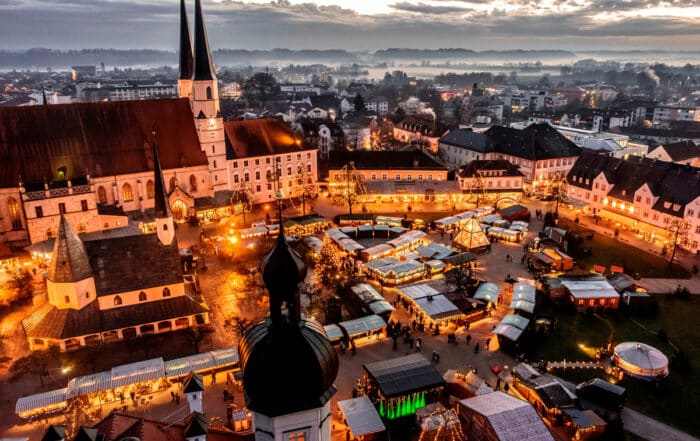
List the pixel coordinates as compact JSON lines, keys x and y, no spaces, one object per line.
{"x":678,"y":230}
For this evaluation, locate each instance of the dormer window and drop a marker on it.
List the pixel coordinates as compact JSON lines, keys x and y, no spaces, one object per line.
{"x":624,"y":192}
{"x":667,"y":205}
{"x":676,"y":207}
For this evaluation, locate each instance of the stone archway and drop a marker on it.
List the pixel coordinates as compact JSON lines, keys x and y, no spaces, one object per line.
{"x":179,"y":209}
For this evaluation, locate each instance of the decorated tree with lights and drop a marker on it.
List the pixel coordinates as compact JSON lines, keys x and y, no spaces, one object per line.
{"x":327,"y":263}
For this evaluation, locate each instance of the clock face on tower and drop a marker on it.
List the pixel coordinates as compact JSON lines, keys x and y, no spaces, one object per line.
{"x":212,"y":123}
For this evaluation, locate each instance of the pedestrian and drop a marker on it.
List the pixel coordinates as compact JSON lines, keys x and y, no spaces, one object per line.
{"x":213,"y":378}
{"x":353,"y":349}
{"x":433,"y":357}
{"x":172,"y":397}
{"x":506,"y":387}
{"x":437,"y":357}
{"x":133,"y":396}
{"x":229,"y":412}
{"x":418,"y":345}
{"x":177,"y":399}
{"x":225,"y":395}
{"x":488,"y":341}
{"x":476,"y":348}
{"x":394,"y":346}
{"x":469,"y":338}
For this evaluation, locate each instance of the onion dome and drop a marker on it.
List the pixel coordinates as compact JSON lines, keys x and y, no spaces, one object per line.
{"x":288,"y":363}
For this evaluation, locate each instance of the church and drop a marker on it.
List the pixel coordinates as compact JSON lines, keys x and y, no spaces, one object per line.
{"x":91,"y":162}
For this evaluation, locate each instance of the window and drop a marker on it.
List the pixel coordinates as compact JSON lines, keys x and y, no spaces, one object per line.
{"x":13,"y":210}
{"x":308,"y":167}
{"x":127,"y":194}
{"x":430,"y":177}
{"x":213,"y":149}
{"x":267,"y":160}
{"x":297,"y":435}
{"x":697,"y":229}
{"x":289,"y":158}
{"x":691,"y":213}
{"x":101,"y":195}
{"x":62,"y":208}
{"x":638,"y":199}
{"x":245,"y":163}
{"x":269,"y":186}
{"x":84,"y":205}
{"x":397,"y":177}
{"x":166,"y":292}
{"x":193,"y":183}
{"x":257,"y":175}
{"x":87,"y":295}
{"x":150,"y":189}
{"x":298,"y":156}
{"x":289,"y":171}
{"x":117,"y":300}
{"x":258,"y":188}
{"x":208,"y":93}
{"x":142,"y":296}
{"x":246,"y":177}
{"x":235,"y":164}
{"x":308,"y":156}
{"x":409,"y":178}
{"x":384,"y":177}
{"x":420,"y":178}
{"x":595,"y":186}
{"x":257,"y":162}
{"x":215,"y":163}
{"x":374,"y":176}
{"x":66,"y":299}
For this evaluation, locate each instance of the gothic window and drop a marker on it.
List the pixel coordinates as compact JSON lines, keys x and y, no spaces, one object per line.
{"x":173,"y":184}
{"x":166,"y":292}
{"x":208,"y":93}
{"x":193,"y":183}
{"x":142,"y":296}
{"x":150,"y":189}
{"x":15,"y":218}
{"x":127,"y":194}
{"x":101,"y":195}
{"x":117,"y":300}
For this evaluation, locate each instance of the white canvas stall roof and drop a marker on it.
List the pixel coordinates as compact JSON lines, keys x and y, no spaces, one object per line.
{"x":446,"y":221}
{"x":401,"y":267}
{"x":465,"y":214}
{"x":377,"y":250}
{"x":89,"y":384}
{"x":524,"y":292}
{"x":487,"y":291}
{"x":333,"y":332}
{"x":483,"y":210}
{"x":400,"y":241}
{"x":414,"y":234}
{"x":590,"y":289}
{"x":350,"y":245}
{"x":412,"y":256}
{"x":366,"y":293}
{"x":642,"y":356}
{"x":508,"y":331}
{"x":363,"y":325}
{"x":436,"y":264}
{"x":398,"y":230}
{"x":381,"y":307}
{"x":225,"y":356}
{"x":426,"y":251}
{"x":364,"y":228}
{"x":201,"y":362}
{"x":417,"y":291}
{"x":388,"y":220}
{"x":491,"y":219}
{"x":136,"y":372}
{"x":518,"y":228}
{"x":336,"y":234}
{"x":381,"y":228}
{"x":361,"y":416}
{"x":37,"y":401}
{"x":255,"y":231}
{"x":376,"y":264}
{"x":512,"y":419}
{"x":347,"y":230}
{"x":441,"y":250}
{"x":515,"y":320}
{"x":438,"y":307}
{"x":522,"y":305}
{"x":520,"y":224}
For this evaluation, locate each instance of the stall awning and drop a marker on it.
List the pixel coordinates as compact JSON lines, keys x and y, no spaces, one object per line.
{"x":366,"y":293}
{"x":522,"y":305}
{"x":89,"y":384}
{"x":131,"y":373}
{"x":333,"y":332}
{"x":363,"y":325}
{"x":403,"y":375}
{"x":515,"y":320}
{"x":436,"y":264}
{"x":361,"y":416}
{"x":523,"y":291}
{"x":417,"y":291}
{"x":381,"y":307}
{"x":37,"y":401}
{"x":488,"y":292}
{"x":438,"y":307}
{"x":508,"y":331}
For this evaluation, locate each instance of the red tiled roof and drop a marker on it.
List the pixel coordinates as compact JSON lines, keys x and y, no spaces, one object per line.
{"x":260,"y":137}
{"x":103,"y":138}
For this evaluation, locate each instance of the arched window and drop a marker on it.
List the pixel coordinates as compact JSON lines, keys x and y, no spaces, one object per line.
{"x":173,"y":184}
{"x":15,"y":218}
{"x":208,"y":93}
{"x":166,"y":292}
{"x":101,"y":195}
{"x":50,"y":233}
{"x":127,"y":194}
{"x":150,"y":189}
{"x":193,"y":183}
{"x":142,"y":296}
{"x":117,"y":300}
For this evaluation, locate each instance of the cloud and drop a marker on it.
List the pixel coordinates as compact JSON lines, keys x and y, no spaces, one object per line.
{"x":474,"y":24}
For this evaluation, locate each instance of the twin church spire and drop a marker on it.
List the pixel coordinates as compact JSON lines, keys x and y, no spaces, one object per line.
{"x":194,"y":65}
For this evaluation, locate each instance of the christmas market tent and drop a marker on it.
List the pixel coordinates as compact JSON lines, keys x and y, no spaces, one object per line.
{"x":205,"y":361}
{"x":333,"y":332}
{"x":336,"y":234}
{"x":381,"y":307}
{"x":365,"y":231}
{"x":438,"y":307}
{"x":361,"y":416}
{"x":490,"y":219}
{"x":417,"y":291}
{"x":404,"y":375}
{"x":137,"y":372}
{"x":641,"y":361}
{"x":381,"y":231}
{"x":43,"y":403}
{"x":376,"y":252}
{"x":524,"y":298}
{"x":447,"y":223}
{"x":511,"y":327}
{"x":388,"y":220}
{"x":363,"y":325}
{"x":366,"y":293}
{"x":487,"y":291}
{"x":90,"y":384}
{"x":460,"y":259}
{"x":435,"y":265}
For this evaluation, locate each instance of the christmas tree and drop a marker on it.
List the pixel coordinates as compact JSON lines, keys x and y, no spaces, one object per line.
{"x":327,"y":263}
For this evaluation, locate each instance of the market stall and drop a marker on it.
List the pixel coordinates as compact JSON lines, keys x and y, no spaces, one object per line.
{"x":334,"y":333}
{"x":510,"y":329}
{"x":381,"y":308}
{"x":376,"y":252}
{"x":438,"y":309}
{"x":43,"y":404}
{"x":393,"y":271}
{"x":471,"y":236}
{"x":361,"y":417}
{"x":388,"y":220}
{"x":487,"y":292}
{"x":363,"y":326}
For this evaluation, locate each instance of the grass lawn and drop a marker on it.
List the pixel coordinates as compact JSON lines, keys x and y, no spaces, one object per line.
{"x":676,"y":399}
{"x":608,"y":251}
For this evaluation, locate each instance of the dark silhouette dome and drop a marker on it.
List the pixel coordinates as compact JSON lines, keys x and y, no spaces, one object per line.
{"x":287,"y":369}
{"x":283,"y":269}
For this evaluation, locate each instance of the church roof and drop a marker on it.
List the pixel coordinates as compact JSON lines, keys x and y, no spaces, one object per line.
{"x":69,"y":262}
{"x":106,"y":139}
{"x":193,"y":383}
{"x":260,"y":137}
{"x":203,"y":69}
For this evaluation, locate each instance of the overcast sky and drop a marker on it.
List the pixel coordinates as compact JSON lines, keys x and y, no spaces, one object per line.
{"x":358,"y":24}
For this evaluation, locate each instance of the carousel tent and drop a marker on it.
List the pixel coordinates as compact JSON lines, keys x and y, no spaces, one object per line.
{"x":641,"y":361}
{"x":362,"y":325}
{"x":361,"y":416}
{"x":404,"y":375}
{"x":55,"y":399}
{"x":488,"y":292}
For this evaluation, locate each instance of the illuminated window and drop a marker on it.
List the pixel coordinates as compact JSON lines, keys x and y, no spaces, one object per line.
{"x":150,"y":189}
{"x":297,"y":435}
{"x":127,"y":194}
{"x":101,"y":195}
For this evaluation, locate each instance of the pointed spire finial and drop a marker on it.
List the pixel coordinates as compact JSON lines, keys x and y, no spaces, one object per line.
{"x":186,"y":57}
{"x":162,"y":209}
{"x":203,"y":69}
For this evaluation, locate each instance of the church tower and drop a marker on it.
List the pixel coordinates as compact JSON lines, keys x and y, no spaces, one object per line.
{"x":205,"y":104}
{"x":184,"y":81}
{"x":70,"y":283}
{"x":289,"y":365}
{"x":165,"y":228}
